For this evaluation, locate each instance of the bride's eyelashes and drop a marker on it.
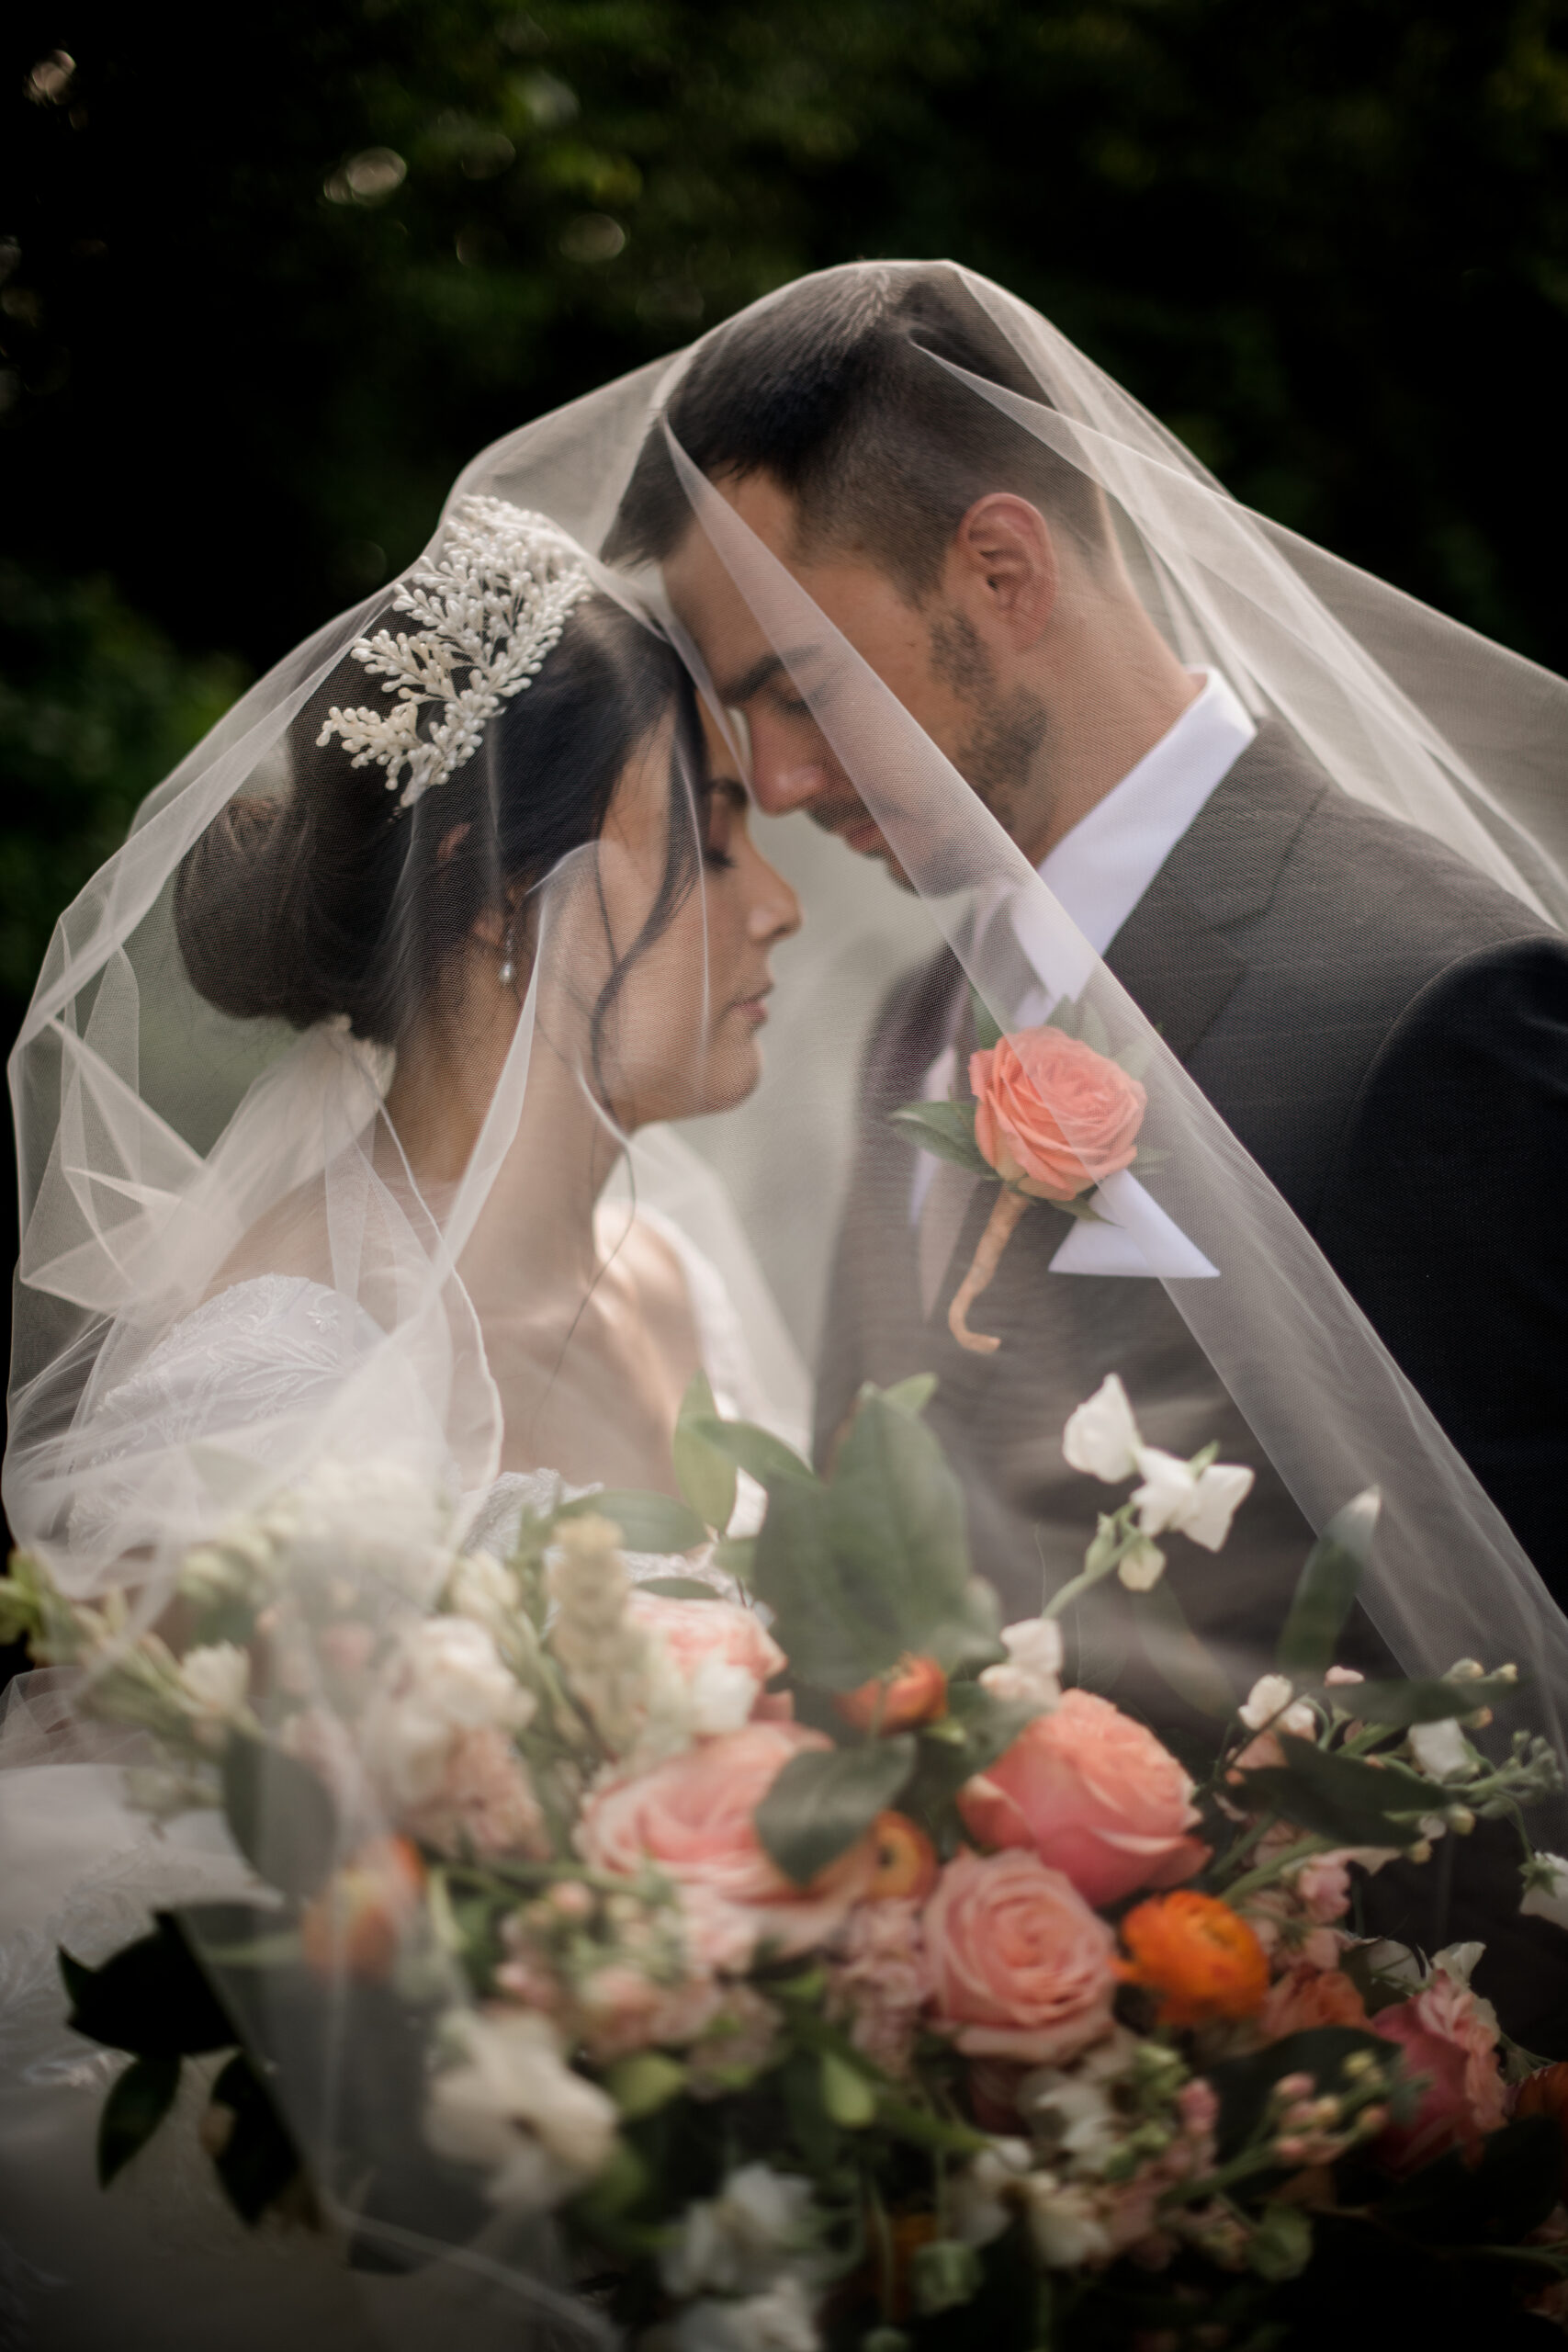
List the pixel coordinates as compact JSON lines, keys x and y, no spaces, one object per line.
{"x":726,"y":803}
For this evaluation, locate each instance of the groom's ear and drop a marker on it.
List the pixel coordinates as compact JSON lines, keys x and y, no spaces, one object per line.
{"x":1002,"y":569}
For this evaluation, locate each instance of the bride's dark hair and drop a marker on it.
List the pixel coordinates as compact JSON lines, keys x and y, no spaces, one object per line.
{"x":327,"y":899}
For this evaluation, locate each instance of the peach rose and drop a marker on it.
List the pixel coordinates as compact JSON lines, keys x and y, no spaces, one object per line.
{"x":692,"y":1818}
{"x":1449,"y":2034}
{"x":1052,"y":1115}
{"x":1095,"y":1796}
{"x":1019,"y":1966}
{"x":708,"y":1633}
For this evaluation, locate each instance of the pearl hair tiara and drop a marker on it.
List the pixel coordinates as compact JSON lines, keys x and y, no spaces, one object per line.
{"x":491,"y":609}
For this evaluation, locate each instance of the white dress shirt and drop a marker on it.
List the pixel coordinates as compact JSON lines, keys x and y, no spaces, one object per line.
{"x":1100,"y":870}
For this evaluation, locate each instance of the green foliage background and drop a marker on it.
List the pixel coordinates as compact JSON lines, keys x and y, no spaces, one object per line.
{"x":1329,"y":243}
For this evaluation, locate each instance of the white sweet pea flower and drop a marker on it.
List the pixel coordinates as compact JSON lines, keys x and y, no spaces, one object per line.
{"x":1441,"y":1749}
{"x":1546,"y":1889}
{"x":1034,"y":1667}
{"x":981,"y":2197}
{"x":1102,"y":1436}
{"x":738,"y":2242}
{"x":1143,"y":1568}
{"x":512,"y":2105}
{"x":1175,"y":1499}
{"x":1271,"y":1705}
{"x":1079,"y":2117}
{"x":782,"y":2319}
{"x":444,"y":1678}
{"x":1064,"y":2222}
{"x":1457,"y":1962}
{"x":215,"y":1679}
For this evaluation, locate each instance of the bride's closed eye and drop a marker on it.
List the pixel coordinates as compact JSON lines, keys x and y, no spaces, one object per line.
{"x":725,"y":812}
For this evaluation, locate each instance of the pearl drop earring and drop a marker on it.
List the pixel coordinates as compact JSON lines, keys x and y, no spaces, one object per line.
{"x":508,"y":968}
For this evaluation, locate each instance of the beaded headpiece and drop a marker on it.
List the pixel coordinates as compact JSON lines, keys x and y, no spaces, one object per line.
{"x":491,"y":607}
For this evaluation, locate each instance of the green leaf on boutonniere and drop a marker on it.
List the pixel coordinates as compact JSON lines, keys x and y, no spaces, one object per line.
{"x":823,"y":1801}
{"x":135,"y":2107}
{"x":1135,"y":1058}
{"x":1326,"y":1590}
{"x":945,"y":1128}
{"x":988,"y":1031}
{"x":704,"y":1472}
{"x":678,"y":1589}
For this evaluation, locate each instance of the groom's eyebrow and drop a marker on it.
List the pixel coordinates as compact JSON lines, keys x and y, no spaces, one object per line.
{"x":736,"y":691}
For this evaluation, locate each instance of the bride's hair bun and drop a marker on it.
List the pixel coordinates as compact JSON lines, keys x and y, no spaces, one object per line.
{"x":326,"y":899}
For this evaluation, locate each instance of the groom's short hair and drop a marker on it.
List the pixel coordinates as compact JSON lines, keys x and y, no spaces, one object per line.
{"x":831,"y":388}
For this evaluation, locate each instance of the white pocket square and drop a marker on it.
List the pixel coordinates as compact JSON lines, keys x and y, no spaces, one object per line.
{"x":1131,"y":1235}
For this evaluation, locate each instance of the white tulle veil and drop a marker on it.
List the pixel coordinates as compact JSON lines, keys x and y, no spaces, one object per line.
{"x":167,"y":1144}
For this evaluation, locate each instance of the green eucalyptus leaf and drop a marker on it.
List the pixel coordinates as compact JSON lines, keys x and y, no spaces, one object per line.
{"x":137,"y":2104}
{"x":1177,"y":1653}
{"x":258,"y":2161}
{"x":849,"y":2098}
{"x":279,"y":1812}
{"x":830,"y":1646}
{"x":736,"y":1556}
{"x":823,"y":1800}
{"x":644,"y":2082}
{"x":945,"y":1128}
{"x":897,"y":1522}
{"x":705,"y":1474}
{"x":1326,"y":1590}
{"x":913,"y":1395}
{"x":1344,"y":1797}
{"x":648,"y":1522}
{"x":678,"y":1589}
{"x":1399,"y":1704}
{"x":149,"y":1997}
{"x":756,"y":1451}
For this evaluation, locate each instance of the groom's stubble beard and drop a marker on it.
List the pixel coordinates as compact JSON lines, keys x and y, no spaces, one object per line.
{"x":998,"y":756}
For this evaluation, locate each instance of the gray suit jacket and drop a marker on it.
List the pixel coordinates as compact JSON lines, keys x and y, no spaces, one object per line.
{"x":1386,"y":1032}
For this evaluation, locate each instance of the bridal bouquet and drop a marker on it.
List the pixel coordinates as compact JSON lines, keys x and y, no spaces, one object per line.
{"x":786,"y":1930}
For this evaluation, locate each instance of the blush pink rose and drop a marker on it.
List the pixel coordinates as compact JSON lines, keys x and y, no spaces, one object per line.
{"x":694,"y":1817}
{"x":1449,"y":2034}
{"x":1052,"y":1115}
{"x":1095,"y":1796}
{"x":1018,"y":1966}
{"x":708,"y":1633}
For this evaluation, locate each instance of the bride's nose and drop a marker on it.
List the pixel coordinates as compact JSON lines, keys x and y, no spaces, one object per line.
{"x":775,"y":910}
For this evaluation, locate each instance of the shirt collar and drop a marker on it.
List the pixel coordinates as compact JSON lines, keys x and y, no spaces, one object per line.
{"x":1098,"y":872}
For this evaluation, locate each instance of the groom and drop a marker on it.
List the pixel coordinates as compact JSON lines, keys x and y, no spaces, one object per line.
{"x":1384,"y":1030}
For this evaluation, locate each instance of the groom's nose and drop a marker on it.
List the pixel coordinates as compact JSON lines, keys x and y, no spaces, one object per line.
{"x":782,"y":778}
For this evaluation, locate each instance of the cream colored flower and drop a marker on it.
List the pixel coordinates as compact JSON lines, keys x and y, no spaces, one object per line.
{"x":982,"y":2197}
{"x":1546,"y":1896}
{"x":446,"y":1677}
{"x":1174,"y":1499}
{"x":512,"y":2105}
{"x":1441,"y":1749}
{"x":1143,"y":1568}
{"x":1034,"y":1667}
{"x":1271,"y":1705}
{"x":782,"y":2319}
{"x":737,"y":2242}
{"x":215,"y":1681}
{"x":1102,"y":1436}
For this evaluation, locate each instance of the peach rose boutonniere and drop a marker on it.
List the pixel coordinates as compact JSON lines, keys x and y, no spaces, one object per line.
{"x":1053,"y":1116}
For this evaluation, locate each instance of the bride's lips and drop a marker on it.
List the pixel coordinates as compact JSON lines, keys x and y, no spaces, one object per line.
{"x":751,"y":1009}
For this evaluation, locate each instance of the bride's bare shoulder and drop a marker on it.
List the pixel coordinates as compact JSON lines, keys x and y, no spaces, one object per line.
{"x":649,"y":1264}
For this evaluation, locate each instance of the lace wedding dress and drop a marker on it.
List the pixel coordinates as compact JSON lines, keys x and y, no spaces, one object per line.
{"x":160,"y":2261}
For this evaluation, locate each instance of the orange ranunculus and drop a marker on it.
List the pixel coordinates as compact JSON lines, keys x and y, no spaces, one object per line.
{"x":1052,"y":1115}
{"x":915,"y":1693}
{"x":1546,"y":2093}
{"x":906,"y":1860}
{"x":1198,"y":1957}
{"x":357,"y":1921}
